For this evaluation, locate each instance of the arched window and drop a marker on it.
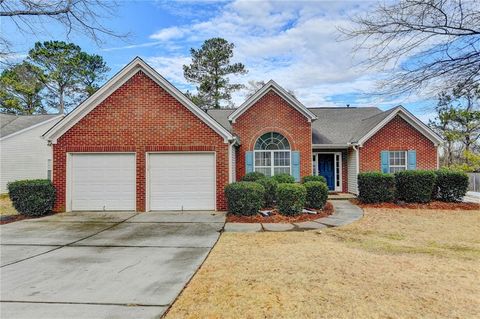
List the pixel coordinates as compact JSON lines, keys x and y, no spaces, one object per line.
{"x":272,"y":154}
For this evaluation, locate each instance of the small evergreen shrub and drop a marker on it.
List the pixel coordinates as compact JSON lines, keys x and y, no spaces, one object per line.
{"x":376,"y":187}
{"x":284,"y":178}
{"x":252,"y":177}
{"x":415,"y":186}
{"x":291,"y":198}
{"x":33,"y":197}
{"x":314,"y":178}
{"x":270,"y":186}
{"x":317,"y":193}
{"x":451,"y":185}
{"x":244,"y":198}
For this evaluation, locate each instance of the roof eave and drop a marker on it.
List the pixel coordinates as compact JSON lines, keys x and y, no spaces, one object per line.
{"x":115,"y":82}
{"x":411,"y":119}
{"x":272,"y":85}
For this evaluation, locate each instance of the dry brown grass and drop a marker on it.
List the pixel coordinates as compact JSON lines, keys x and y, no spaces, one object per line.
{"x":6,"y":207}
{"x":391,"y":264}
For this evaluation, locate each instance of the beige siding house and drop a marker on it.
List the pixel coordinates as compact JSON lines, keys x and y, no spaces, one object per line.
{"x":23,"y":152}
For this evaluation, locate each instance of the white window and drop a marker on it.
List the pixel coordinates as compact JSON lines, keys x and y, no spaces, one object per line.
{"x":398,"y":161}
{"x":272,"y":154}
{"x":49,"y":169}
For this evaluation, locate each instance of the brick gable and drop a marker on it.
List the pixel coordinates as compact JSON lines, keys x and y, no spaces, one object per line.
{"x":271,"y":113}
{"x":397,"y":135}
{"x":139,"y":117}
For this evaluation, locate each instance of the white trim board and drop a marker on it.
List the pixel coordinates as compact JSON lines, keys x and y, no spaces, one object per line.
{"x":118,"y":80}
{"x":409,"y":118}
{"x":272,"y":86}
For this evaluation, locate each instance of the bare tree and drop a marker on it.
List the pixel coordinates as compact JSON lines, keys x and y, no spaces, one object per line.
{"x":422,"y":43}
{"x":76,"y":16}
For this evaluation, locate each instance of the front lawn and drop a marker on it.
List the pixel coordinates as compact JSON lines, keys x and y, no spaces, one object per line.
{"x":6,"y":208}
{"x":392,"y":263}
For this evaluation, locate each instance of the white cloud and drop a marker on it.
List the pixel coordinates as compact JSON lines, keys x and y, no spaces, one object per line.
{"x":294,"y":43}
{"x":167,"y":34}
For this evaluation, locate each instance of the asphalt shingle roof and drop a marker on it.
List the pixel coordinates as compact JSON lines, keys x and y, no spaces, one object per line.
{"x":335,"y":125}
{"x":10,"y":124}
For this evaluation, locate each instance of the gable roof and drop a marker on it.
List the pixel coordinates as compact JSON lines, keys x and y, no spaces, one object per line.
{"x":272,"y":86}
{"x":337,"y":125}
{"x":343,"y":126}
{"x":374,"y":124}
{"x":14,"y":124}
{"x":118,"y":80}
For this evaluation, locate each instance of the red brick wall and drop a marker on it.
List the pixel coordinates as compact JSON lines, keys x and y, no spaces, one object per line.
{"x":273,"y":114}
{"x":139,"y":117}
{"x":397,"y":135}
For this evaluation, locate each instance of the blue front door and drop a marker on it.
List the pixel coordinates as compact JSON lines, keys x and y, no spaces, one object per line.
{"x":326,"y":169}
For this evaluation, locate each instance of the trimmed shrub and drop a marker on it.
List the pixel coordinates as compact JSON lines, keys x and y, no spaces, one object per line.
{"x":291,"y":198}
{"x":252,"y":177}
{"x":244,"y":198}
{"x":415,"y":186}
{"x":314,"y":178}
{"x":34,"y":197}
{"x":317,"y":193}
{"x":284,"y":178}
{"x":270,"y":186}
{"x":451,"y":185}
{"x":376,"y":187}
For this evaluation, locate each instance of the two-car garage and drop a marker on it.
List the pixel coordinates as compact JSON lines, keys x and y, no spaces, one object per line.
{"x":174,"y":181}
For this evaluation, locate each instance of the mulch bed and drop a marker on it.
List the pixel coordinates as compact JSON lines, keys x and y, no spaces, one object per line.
{"x":10,"y":219}
{"x":432,"y":205}
{"x":276,"y":217}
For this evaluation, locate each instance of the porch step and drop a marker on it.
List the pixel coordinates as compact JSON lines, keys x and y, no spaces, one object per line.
{"x":341,"y":196}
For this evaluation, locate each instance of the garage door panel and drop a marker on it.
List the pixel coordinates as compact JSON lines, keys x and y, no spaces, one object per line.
{"x":182,"y":181}
{"x":103,"y":181}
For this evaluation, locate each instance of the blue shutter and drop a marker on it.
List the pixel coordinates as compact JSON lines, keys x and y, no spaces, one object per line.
{"x":248,"y":162}
{"x":385,"y":156}
{"x":296,"y":165}
{"x":412,"y":160}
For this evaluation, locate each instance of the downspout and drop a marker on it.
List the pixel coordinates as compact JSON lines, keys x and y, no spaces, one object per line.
{"x":356,"y":148}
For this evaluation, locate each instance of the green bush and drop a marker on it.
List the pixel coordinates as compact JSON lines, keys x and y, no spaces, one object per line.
{"x":270,"y":186}
{"x":314,"y":178}
{"x":244,"y":198}
{"x":451,"y":185}
{"x":376,"y":187}
{"x":33,"y":197}
{"x":291,"y":198}
{"x":317,"y":193}
{"x":284,"y":178}
{"x":415,"y":186}
{"x":252,"y":177}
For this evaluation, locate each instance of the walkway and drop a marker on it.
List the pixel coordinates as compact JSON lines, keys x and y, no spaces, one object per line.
{"x":345,"y":213}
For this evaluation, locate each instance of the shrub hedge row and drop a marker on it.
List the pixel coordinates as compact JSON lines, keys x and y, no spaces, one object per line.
{"x":291,"y":198}
{"x":376,"y":187}
{"x":417,"y":186}
{"x":33,"y":197}
{"x":243,"y":198}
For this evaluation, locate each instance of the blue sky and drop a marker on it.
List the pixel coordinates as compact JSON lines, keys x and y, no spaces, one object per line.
{"x":293,"y":42}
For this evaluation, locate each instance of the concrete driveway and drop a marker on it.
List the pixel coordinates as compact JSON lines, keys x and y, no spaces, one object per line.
{"x":102,"y":265}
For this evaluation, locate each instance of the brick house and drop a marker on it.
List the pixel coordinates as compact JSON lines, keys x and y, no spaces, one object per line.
{"x":139,"y":144}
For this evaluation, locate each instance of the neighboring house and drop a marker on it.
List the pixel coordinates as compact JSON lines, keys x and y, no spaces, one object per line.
{"x":139,"y":144}
{"x":24,"y":154}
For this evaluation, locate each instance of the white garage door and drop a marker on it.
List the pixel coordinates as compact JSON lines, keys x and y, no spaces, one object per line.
{"x":103,"y":181}
{"x":181,"y":181}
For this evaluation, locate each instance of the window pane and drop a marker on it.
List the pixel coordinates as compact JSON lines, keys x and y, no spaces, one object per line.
{"x":263,"y":159}
{"x":281,"y":170}
{"x":264,"y":170}
{"x":272,"y":141}
{"x":281,"y":158}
